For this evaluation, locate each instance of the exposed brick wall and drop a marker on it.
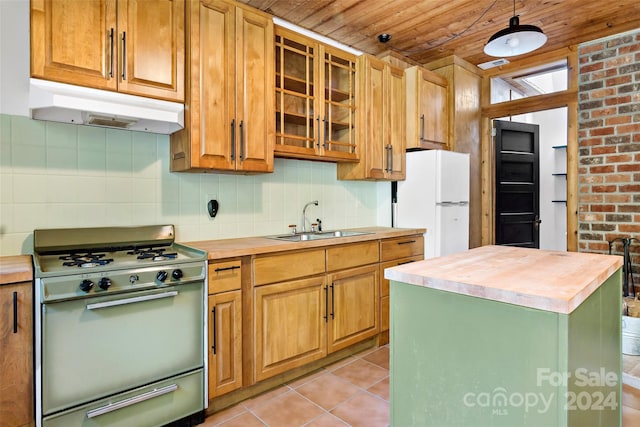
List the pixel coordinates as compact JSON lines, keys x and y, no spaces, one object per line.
{"x":609,"y":145}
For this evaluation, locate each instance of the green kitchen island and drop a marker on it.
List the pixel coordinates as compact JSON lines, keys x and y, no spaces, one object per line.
{"x":503,"y":336}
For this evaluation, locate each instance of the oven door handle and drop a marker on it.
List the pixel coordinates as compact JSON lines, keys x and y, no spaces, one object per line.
{"x":142,"y":298}
{"x":131,"y":401}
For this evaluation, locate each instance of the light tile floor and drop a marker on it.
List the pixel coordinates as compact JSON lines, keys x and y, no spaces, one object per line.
{"x":352,"y":392}
{"x":631,"y":365}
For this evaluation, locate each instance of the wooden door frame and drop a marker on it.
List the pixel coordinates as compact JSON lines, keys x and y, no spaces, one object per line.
{"x":567,"y":98}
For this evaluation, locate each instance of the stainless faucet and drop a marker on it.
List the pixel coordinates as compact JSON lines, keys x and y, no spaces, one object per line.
{"x":304,"y":214}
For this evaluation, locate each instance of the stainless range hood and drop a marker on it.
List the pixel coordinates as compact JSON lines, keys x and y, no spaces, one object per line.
{"x":59,"y":102}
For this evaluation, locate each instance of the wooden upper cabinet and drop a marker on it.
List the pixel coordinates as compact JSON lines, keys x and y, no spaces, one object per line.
{"x":427,"y":109}
{"x":152,"y":48}
{"x":130,"y":46}
{"x":381,"y":128}
{"x":315,"y":99}
{"x":230,"y":97}
{"x":338,"y":113}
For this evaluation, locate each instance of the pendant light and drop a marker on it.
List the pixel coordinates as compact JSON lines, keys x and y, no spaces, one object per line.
{"x":516,"y":39}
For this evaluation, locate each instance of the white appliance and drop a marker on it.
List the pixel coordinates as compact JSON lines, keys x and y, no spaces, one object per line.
{"x":435,"y":196}
{"x":60,"y":102}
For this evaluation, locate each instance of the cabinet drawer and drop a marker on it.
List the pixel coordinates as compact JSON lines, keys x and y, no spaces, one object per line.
{"x":402,"y":247}
{"x":279,"y":268}
{"x":352,"y":255}
{"x":225,"y":276}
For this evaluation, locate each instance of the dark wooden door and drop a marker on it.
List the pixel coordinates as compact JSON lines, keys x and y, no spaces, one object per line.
{"x":517,"y":209}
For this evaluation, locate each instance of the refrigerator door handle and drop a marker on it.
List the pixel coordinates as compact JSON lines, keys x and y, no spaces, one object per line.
{"x":452,"y":203}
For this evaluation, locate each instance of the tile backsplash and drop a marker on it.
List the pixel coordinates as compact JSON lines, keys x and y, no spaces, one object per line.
{"x":55,"y":175}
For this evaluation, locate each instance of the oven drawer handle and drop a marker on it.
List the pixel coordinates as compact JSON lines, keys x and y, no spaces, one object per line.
{"x":131,"y":300}
{"x":131,"y":401}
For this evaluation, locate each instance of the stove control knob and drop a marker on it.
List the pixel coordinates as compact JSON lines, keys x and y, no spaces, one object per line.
{"x":177,"y":274}
{"x":86,"y":285}
{"x":162,"y":276}
{"x":104,"y":283}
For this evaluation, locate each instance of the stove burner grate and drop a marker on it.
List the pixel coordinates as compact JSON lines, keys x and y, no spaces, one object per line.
{"x":85,"y":260}
{"x":153,"y":254}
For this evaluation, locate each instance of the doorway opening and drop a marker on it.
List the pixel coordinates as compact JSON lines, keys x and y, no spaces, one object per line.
{"x":541,"y":91}
{"x":552,"y":177}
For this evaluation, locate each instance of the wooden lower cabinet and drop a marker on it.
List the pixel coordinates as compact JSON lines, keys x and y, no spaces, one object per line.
{"x":225,"y":342}
{"x":225,"y":326}
{"x":394,"y":252}
{"x":353,"y":306}
{"x":295,"y":308}
{"x":311,"y":303}
{"x":290,"y":325}
{"x":16,"y":356}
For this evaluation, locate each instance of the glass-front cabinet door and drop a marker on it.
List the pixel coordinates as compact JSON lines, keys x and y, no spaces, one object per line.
{"x":296,"y":124}
{"x":315,"y":99}
{"x":339,"y":106}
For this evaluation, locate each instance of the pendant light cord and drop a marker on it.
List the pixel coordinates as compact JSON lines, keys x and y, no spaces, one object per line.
{"x":455,"y":36}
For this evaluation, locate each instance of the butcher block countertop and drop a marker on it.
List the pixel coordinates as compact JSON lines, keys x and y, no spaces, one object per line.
{"x":546,"y":280}
{"x":16,"y":269}
{"x":228,"y":248}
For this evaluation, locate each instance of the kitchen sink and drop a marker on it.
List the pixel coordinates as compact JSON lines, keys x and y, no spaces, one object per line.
{"x":298,"y":237}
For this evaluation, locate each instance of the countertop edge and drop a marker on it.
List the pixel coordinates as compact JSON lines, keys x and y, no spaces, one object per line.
{"x":557,"y":304}
{"x":16,"y":269}
{"x":246,"y":246}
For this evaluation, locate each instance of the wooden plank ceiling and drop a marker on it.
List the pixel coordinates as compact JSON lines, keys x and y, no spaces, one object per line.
{"x":427,"y":30}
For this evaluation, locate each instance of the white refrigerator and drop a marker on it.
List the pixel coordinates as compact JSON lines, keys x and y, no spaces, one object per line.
{"x":435,"y":196}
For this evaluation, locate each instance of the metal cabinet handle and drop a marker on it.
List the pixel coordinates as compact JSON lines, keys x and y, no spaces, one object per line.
{"x":333,"y":301}
{"x":124,"y":55}
{"x":386,"y":158}
{"x":219,"y":269}
{"x":422,"y":127}
{"x":131,"y":401}
{"x":318,"y":128}
{"x":326,"y":303}
{"x":326,"y":131}
{"x":15,"y":312}
{"x":233,"y":139}
{"x":213,"y":318}
{"x":143,"y":298}
{"x":406,"y":242}
{"x":241,"y":140}
{"x":111,"y":44}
